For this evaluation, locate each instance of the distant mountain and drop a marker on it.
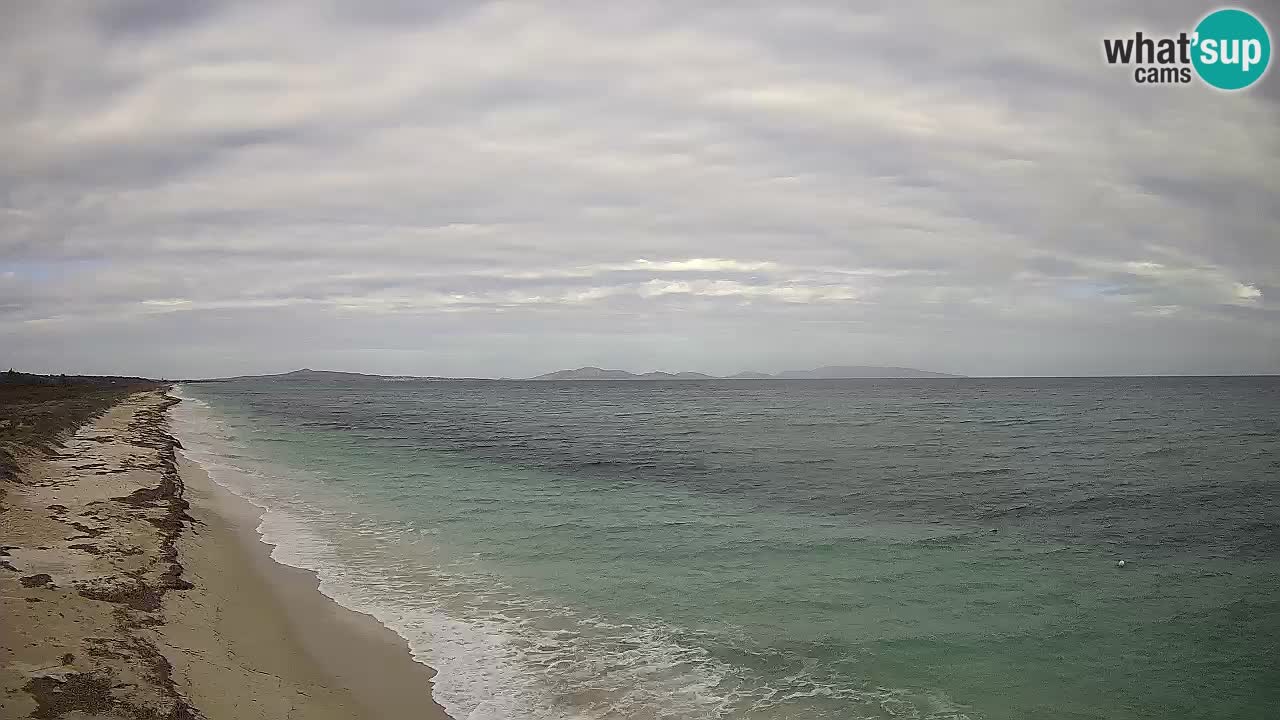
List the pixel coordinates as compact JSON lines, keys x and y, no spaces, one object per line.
{"x":830,"y":372}
{"x":838,"y":372}
{"x":659,"y":375}
{"x":588,"y":373}
{"x":309,"y":375}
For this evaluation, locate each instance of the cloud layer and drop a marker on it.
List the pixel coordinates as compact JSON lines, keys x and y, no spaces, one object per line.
{"x":503,"y":189}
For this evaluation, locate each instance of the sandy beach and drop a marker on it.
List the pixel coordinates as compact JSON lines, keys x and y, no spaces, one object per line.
{"x":132,"y":586}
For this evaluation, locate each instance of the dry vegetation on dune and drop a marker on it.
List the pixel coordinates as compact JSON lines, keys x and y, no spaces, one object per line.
{"x":38,"y":411}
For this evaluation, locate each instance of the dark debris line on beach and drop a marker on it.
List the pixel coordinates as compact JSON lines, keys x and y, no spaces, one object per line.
{"x":36,"y":420}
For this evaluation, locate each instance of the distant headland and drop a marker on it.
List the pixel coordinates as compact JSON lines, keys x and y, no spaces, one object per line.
{"x":828,"y":372}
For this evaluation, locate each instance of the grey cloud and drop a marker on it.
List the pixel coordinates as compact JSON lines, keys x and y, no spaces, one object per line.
{"x":716,"y":186}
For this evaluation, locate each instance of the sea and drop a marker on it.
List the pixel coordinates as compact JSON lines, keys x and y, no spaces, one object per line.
{"x":938,"y":549}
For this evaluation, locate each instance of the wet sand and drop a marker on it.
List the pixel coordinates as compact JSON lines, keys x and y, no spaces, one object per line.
{"x":131,"y":586}
{"x":267,"y":624}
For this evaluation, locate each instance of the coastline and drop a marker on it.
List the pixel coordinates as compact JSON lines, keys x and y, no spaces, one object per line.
{"x":266,"y":626}
{"x":133,"y":586}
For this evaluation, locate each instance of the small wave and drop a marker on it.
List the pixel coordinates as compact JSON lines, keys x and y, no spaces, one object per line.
{"x":501,"y":653}
{"x":1169,"y":450}
{"x":983,"y":472}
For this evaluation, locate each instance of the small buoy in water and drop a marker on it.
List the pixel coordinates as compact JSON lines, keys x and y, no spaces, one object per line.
{"x":1119,"y":563}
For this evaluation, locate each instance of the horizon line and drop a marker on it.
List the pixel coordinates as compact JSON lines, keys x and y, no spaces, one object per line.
{"x":771,"y":376}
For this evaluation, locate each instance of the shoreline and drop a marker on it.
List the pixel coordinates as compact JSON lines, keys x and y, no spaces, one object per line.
{"x":133,"y":586}
{"x":312,"y":646}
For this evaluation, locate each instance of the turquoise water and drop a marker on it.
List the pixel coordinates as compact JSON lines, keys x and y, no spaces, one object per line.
{"x":805,"y":549}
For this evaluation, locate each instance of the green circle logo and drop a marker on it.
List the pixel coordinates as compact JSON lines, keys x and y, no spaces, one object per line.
{"x":1232,"y":49}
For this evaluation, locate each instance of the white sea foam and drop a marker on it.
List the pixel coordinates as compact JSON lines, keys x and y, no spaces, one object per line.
{"x":498,"y":655}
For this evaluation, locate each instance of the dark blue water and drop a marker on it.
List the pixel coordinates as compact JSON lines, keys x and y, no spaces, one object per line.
{"x":869,"y":548}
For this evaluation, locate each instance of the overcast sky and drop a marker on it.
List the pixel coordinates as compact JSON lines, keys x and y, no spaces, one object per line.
{"x":459,"y":188}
